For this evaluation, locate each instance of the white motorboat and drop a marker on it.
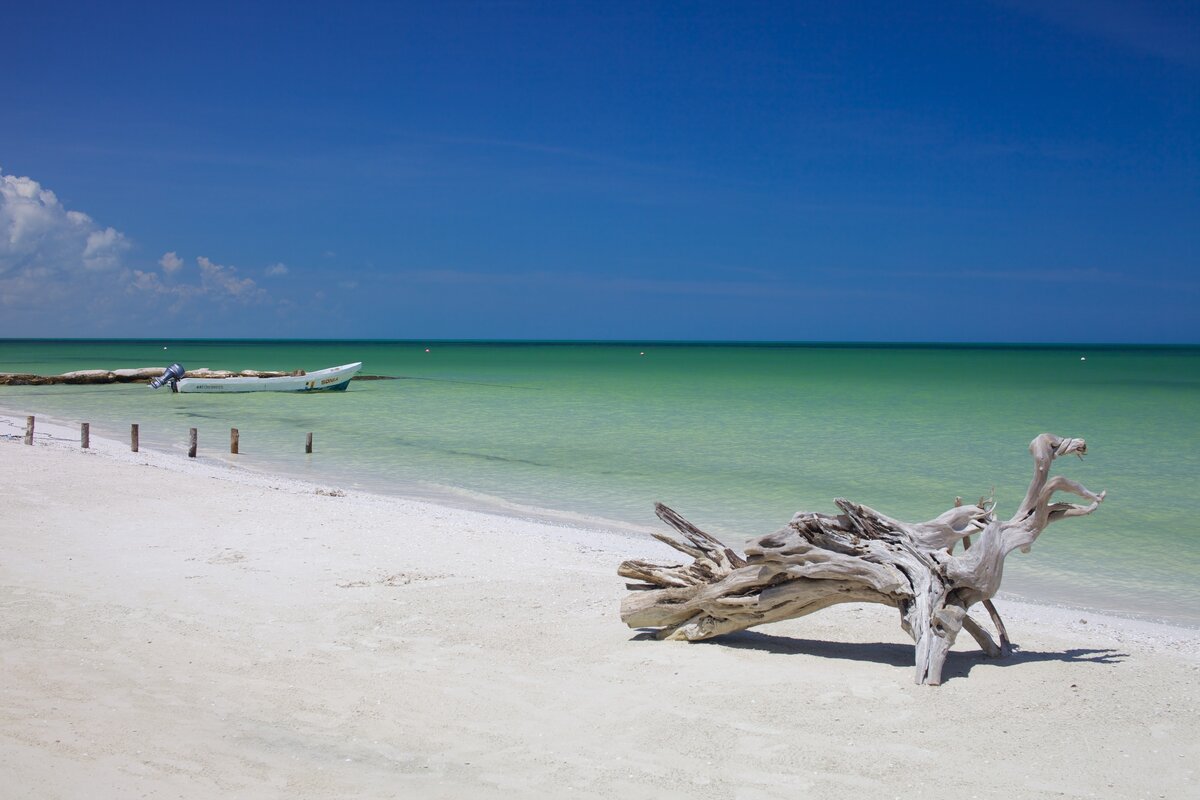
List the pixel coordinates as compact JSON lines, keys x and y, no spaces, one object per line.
{"x":334,"y":379}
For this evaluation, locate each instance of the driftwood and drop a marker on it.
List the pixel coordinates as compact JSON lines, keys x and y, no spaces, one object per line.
{"x":858,"y":556}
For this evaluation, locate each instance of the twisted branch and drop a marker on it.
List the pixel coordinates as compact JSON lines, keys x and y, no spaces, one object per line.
{"x":859,"y":555}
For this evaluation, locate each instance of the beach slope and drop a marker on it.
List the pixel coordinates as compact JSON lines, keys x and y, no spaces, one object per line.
{"x":179,"y":629}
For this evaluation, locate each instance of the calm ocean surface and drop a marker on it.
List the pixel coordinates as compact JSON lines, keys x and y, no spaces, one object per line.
{"x":735,"y":437}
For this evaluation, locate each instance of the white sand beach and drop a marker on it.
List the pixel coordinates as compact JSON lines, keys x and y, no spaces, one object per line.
{"x":181,"y":629}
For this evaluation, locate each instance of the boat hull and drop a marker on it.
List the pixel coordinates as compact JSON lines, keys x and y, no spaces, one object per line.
{"x":334,"y":379}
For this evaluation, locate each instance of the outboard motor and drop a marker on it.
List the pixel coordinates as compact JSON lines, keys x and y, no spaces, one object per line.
{"x":171,"y":375}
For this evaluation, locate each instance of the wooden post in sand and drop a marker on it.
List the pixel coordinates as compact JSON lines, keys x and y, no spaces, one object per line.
{"x":308,"y":443}
{"x":233,"y":440}
{"x":133,"y":438}
{"x":85,"y":435}
{"x":191,"y":443}
{"x":29,"y":430}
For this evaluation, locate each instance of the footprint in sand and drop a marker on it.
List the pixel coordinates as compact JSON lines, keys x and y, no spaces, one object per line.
{"x":396,"y":579}
{"x":228,"y":557}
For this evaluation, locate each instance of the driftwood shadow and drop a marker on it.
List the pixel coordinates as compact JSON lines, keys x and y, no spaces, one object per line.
{"x":899,"y":654}
{"x":960,"y":664}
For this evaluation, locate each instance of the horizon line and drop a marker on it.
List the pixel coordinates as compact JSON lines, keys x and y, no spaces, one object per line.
{"x":658,"y":342}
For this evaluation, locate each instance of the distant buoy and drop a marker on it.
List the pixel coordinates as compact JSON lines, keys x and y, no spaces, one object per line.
{"x":426,"y":349}
{"x":1083,"y":358}
{"x":641,"y":354}
{"x":164,"y":348}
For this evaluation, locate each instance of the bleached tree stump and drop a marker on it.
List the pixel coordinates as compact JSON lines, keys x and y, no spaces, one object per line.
{"x":858,"y":556}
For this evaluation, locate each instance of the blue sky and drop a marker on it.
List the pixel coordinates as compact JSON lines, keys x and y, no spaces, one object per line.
{"x":957,"y":171}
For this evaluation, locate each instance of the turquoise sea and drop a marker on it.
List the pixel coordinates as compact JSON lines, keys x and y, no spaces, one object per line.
{"x":737,"y":437}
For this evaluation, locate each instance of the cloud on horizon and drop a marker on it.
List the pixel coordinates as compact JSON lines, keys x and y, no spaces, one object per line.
{"x":218,"y":283}
{"x":62,"y":273}
{"x":40,"y":238}
{"x":170,"y":262}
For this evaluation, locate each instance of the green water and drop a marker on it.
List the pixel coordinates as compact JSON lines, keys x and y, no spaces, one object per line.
{"x":735,"y":437}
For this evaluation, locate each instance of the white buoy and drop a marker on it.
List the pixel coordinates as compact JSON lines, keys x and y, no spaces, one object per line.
{"x":1083,"y":358}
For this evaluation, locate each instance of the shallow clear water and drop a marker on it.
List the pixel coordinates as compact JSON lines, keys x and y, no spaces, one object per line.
{"x":735,"y":437}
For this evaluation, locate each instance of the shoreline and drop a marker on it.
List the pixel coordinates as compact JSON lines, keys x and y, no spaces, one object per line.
{"x":638,"y":540}
{"x":449,"y":498}
{"x":203,"y":630}
{"x":441,"y":496}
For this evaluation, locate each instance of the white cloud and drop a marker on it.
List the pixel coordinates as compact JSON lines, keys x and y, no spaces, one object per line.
{"x":39,"y":236}
{"x":147,"y":281}
{"x":220,"y":281}
{"x":170,"y":262}
{"x":217,"y":281}
{"x":63,"y":274}
{"x":58,"y":267}
{"x":219,"y":286}
{"x":277,"y":269}
{"x":104,"y":248}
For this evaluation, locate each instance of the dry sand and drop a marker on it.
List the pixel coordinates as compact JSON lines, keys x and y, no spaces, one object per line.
{"x":180,"y":629}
